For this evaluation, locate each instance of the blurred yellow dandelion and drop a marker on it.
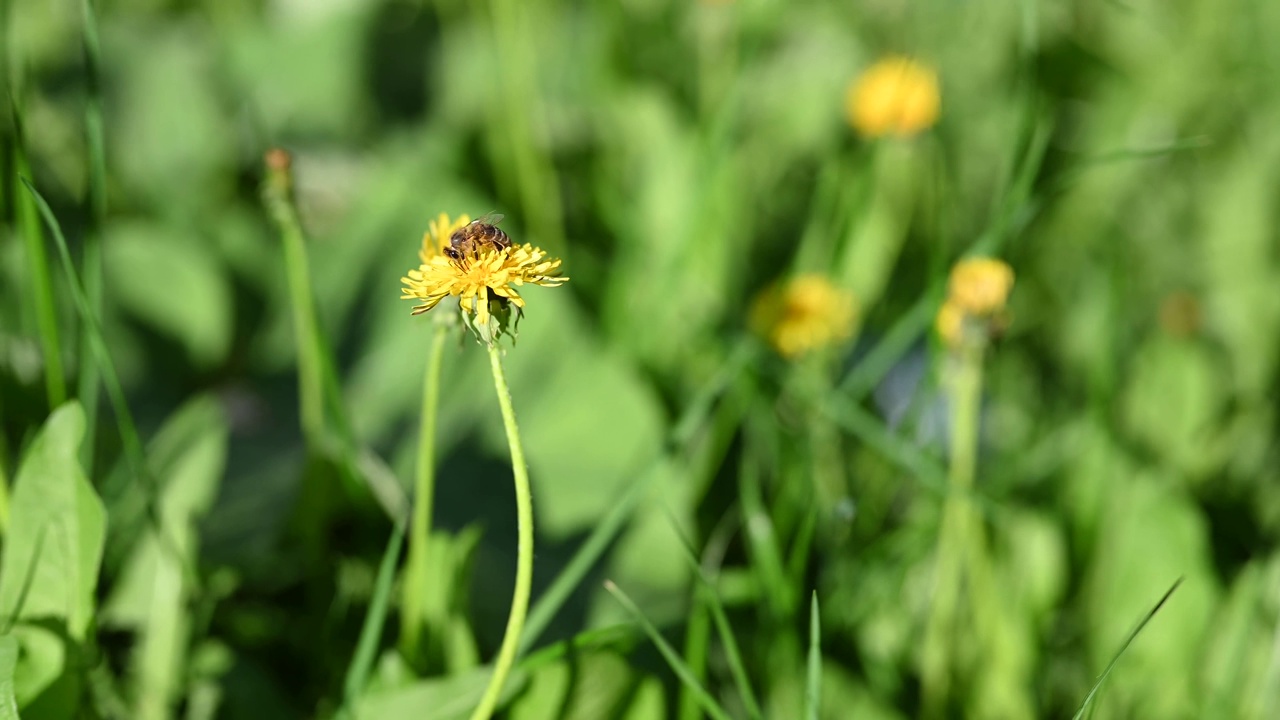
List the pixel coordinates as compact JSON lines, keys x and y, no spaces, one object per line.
{"x":977,"y":292}
{"x":896,"y":96}
{"x":803,"y":314}
{"x":479,"y":274}
{"x":950,"y":324}
{"x":980,"y":286}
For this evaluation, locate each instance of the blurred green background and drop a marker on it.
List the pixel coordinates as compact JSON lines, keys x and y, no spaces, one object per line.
{"x":679,"y":156}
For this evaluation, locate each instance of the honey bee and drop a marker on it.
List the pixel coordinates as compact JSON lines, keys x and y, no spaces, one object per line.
{"x":475,"y":235}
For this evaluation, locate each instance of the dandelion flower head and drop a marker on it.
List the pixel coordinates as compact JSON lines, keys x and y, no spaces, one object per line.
{"x":479,"y":276}
{"x":896,"y":96}
{"x":980,"y":286}
{"x":977,"y":292}
{"x":803,"y":314}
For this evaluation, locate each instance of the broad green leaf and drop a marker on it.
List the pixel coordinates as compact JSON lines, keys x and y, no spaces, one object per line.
{"x":583,"y":687}
{"x":171,"y":139}
{"x":51,"y":559}
{"x":447,"y":698}
{"x":55,"y":515}
{"x":1151,"y":535}
{"x":1175,"y":397}
{"x":170,"y":281}
{"x":152,"y":594}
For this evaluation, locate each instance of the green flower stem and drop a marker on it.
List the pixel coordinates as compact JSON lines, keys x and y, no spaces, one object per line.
{"x":418,"y":572}
{"x":524,"y":561}
{"x":957,"y":530}
{"x":277,"y":193}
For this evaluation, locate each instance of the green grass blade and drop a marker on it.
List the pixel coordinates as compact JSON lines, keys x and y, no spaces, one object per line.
{"x":618,"y":637}
{"x":91,"y":260}
{"x":697,"y":641}
{"x":41,"y":287}
{"x":864,"y":376}
{"x":733,"y":653}
{"x":872,"y":431}
{"x":1128,"y":641}
{"x":124,"y":419}
{"x":129,"y":438}
{"x":813,"y":668}
{"x":673,"y":659}
{"x":375,"y":618}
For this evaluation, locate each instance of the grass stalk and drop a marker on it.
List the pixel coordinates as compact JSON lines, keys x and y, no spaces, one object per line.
{"x":524,"y":562}
{"x":134,"y":455}
{"x":682,"y":671}
{"x":417,"y":573}
{"x":41,"y":281}
{"x":371,"y":630}
{"x":697,"y":640}
{"x":956,"y":532}
{"x":813,"y":667}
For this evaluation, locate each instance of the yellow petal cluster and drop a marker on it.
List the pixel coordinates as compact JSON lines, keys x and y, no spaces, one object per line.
{"x":896,"y":96}
{"x":977,"y":290}
{"x":804,"y":314}
{"x":477,"y":277}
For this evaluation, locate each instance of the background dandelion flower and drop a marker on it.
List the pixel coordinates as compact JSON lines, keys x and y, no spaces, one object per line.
{"x":896,"y":96}
{"x":804,"y":314}
{"x":980,"y":286}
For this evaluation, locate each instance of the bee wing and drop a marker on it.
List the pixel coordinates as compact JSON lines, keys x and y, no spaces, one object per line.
{"x":490,"y":218}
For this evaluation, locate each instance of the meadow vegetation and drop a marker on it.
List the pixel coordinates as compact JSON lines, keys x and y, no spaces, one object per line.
{"x":903,"y":359}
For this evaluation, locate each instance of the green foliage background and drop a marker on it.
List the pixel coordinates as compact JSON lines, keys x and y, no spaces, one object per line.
{"x":679,"y":156}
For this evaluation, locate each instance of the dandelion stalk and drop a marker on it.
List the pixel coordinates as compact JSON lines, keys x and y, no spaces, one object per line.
{"x":524,"y":560}
{"x":417,"y":573}
{"x":976,"y":294}
{"x":955,"y":531}
{"x":277,"y":193}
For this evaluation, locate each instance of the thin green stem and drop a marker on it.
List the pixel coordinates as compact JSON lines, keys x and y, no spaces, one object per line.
{"x":418,"y":571}
{"x":524,"y":561}
{"x":277,"y":194}
{"x":41,"y":287}
{"x":956,"y":533}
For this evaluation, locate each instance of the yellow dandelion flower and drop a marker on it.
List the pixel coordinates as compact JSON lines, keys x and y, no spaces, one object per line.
{"x":804,"y":314}
{"x":974,"y":311}
{"x":980,"y":286}
{"x":480,"y":275}
{"x":896,"y":96}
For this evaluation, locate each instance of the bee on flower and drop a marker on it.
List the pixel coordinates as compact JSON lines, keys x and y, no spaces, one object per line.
{"x":897,"y":96}
{"x":478,"y":263}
